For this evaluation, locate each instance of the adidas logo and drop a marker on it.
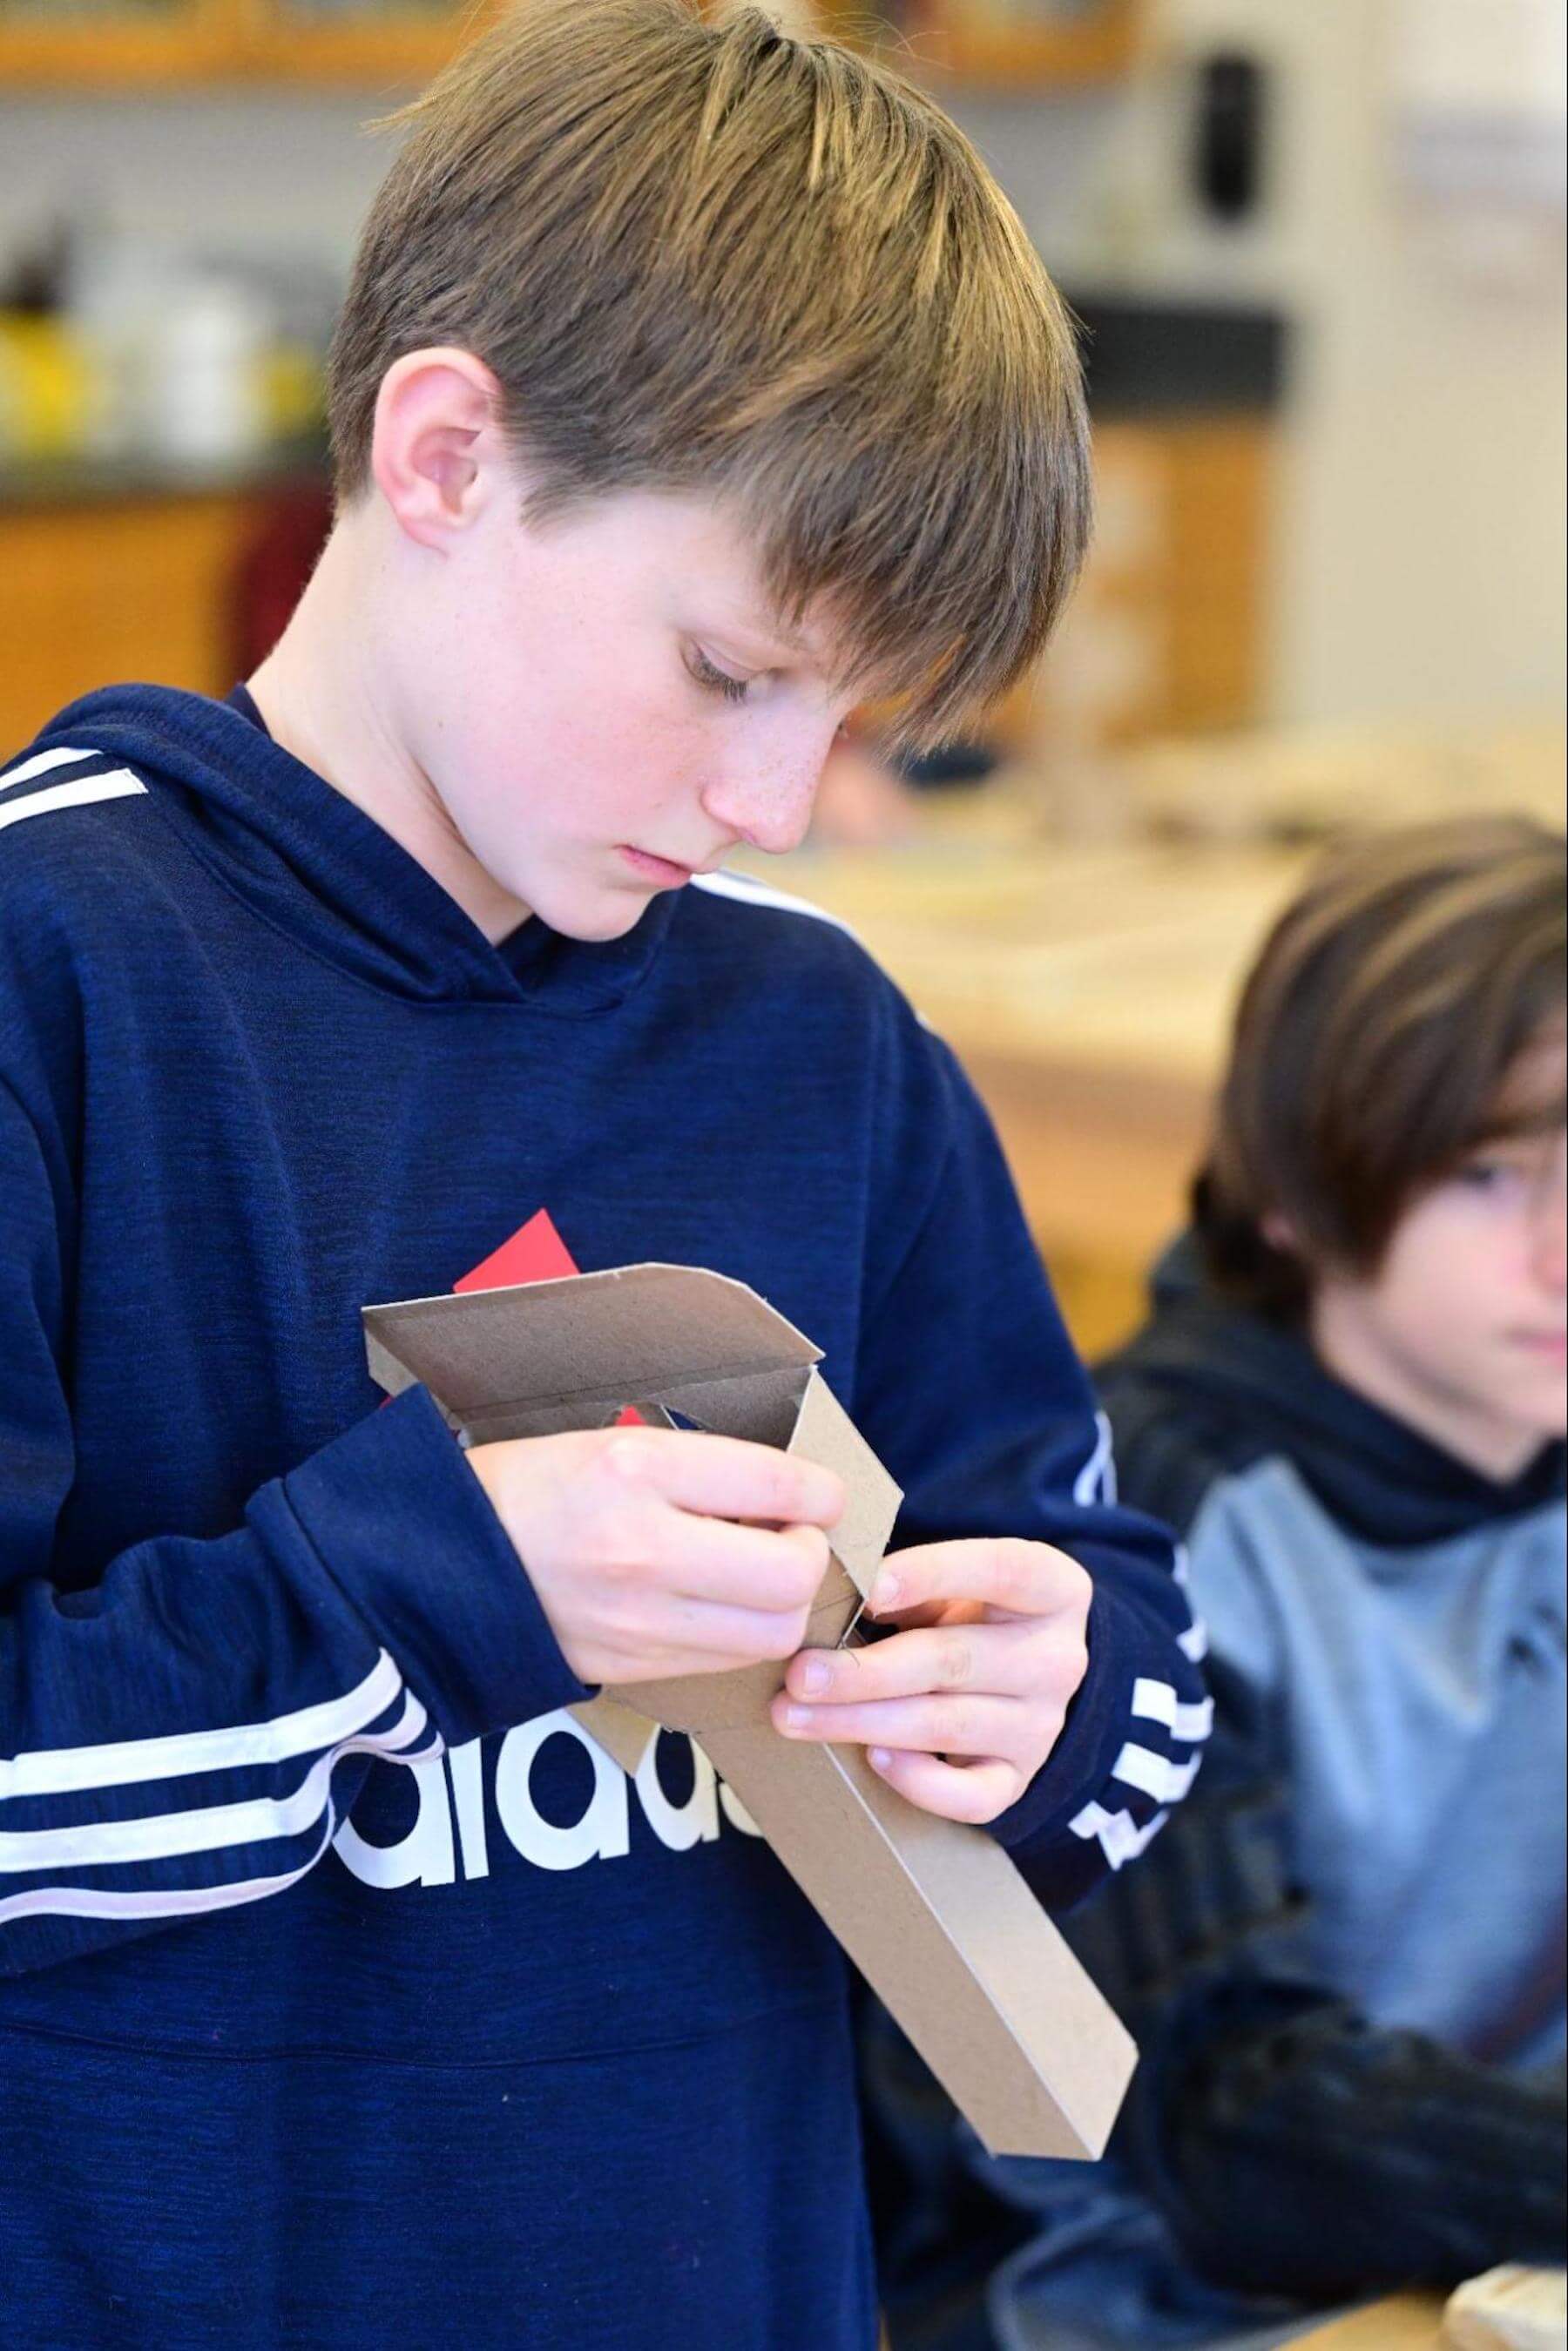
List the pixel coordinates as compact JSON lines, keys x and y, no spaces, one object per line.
{"x":450,"y":1829}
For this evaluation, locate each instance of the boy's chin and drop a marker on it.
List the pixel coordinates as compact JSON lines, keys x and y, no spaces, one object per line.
{"x":1538,"y":1407}
{"x":595,"y":918}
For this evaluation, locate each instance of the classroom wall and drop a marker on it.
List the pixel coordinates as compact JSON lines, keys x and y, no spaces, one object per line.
{"x":281,"y":170}
{"x":1418,"y":564}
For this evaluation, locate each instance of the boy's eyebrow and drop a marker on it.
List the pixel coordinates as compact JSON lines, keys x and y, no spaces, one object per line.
{"x":764,"y":630}
{"x":839,"y":663}
{"x":1531,"y":1101}
{"x":765,"y":625}
{"x":1527,"y":1123}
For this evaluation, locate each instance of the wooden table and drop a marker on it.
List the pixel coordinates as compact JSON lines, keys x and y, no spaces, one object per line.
{"x":1089,"y":989}
{"x":1088,"y":994}
{"x":1409,"y":2323}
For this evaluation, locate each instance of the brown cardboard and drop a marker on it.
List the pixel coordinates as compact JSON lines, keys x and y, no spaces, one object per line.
{"x":931,"y":1912}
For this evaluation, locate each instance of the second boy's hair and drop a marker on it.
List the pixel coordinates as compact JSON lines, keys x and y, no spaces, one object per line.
{"x":701,"y":255}
{"x":1384,"y":1030}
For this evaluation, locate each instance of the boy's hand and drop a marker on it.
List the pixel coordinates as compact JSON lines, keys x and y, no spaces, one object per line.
{"x":658,"y":1550}
{"x":985,"y":1678}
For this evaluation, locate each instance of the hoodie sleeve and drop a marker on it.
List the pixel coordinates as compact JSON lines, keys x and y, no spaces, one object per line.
{"x":181,"y":1728}
{"x":1294,"y":2145}
{"x":1307,"y":2152}
{"x":970,"y":1390}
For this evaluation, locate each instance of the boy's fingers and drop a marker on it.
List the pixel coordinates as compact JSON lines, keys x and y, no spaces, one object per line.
{"x":1022,"y":1579}
{"x":728,"y":1477}
{"x":743,"y":1566}
{"x":987,"y":1658}
{"x":934,"y":1612}
{"x":993,"y":1727}
{"x":700,"y":1635}
{"x":968,"y":1791}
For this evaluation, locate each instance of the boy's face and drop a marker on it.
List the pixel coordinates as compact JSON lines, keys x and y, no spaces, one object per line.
{"x":1461,"y":1330}
{"x":605,"y":704}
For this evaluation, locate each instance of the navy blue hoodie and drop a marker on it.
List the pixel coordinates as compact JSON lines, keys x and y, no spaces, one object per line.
{"x":350,"y":1996}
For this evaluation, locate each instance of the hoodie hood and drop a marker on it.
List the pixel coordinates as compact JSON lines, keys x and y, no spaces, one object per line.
{"x":1246,"y":1388}
{"x":309,"y":861}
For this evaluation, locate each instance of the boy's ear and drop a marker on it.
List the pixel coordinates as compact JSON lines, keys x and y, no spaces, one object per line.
{"x":1280,"y":1234}
{"x":436,"y":442}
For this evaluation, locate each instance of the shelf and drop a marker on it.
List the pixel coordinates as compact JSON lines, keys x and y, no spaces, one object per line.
{"x":232,"y":42}
{"x":965,"y":42}
{"x":363,"y":49}
{"x":973,"y":44}
{"x":145,"y":48}
{"x":951,"y":44}
{"x":1045,"y":59}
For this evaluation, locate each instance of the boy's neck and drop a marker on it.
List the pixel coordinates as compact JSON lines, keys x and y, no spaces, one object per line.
{"x":326,"y":699}
{"x":1347,"y":1343}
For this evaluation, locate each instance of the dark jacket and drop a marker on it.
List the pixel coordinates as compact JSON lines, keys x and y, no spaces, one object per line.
{"x":351,"y":1995}
{"x":1342,"y":1959}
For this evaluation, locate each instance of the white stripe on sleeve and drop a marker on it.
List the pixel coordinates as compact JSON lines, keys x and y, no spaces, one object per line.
{"x":1121,"y":1838}
{"x":176,"y":1902}
{"x":118,"y":784}
{"x":183,"y":1901}
{"x":40,"y":763}
{"x":1096,"y":1481}
{"x":1156,"y":1776}
{"x":1155,"y":1702}
{"x":69,"y":1770}
{"x":1194,"y":1642}
{"x":160,"y":1836}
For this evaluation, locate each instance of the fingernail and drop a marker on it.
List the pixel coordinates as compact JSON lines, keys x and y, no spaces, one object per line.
{"x":815,"y":1675}
{"x":879,"y":1758}
{"x":797,"y":1717}
{"x":885,"y":1593}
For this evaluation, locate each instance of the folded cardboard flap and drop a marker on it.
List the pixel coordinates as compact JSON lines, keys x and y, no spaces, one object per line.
{"x":823,"y":1432}
{"x":933,"y":1913}
{"x":654,"y":1334}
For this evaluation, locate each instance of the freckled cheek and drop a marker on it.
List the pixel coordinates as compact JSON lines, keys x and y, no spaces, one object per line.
{"x":655,"y":762}
{"x":611,"y":780}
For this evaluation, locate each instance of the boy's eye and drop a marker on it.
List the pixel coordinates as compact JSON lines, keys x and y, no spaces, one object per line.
{"x":1488,"y":1174}
{"x":709,"y":674}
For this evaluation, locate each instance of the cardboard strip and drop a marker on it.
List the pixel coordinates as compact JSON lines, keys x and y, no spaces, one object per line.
{"x":949,"y":1937}
{"x":933,"y":1913}
{"x":622,"y":1733}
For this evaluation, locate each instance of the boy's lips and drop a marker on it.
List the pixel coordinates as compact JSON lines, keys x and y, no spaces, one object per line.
{"x":669,"y":870}
{"x":661,"y":870}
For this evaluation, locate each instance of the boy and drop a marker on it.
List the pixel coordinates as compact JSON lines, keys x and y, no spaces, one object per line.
{"x":1345,"y":1959}
{"x":692,"y":382}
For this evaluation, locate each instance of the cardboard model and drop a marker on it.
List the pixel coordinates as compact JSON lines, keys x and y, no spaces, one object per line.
{"x":931,"y":1912}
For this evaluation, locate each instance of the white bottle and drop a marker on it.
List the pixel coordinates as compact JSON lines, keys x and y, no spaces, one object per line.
{"x":204,"y":398}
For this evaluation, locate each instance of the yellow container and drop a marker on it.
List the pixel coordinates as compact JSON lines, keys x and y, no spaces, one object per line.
{"x":50,"y":389}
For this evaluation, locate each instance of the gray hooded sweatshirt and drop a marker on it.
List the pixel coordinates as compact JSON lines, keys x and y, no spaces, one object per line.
{"x":1343,"y":1958}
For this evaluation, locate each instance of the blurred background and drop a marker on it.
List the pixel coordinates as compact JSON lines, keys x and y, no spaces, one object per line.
{"x":1317,"y":254}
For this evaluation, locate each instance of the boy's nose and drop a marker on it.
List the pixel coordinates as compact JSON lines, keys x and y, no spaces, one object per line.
{"x":768,"y":806}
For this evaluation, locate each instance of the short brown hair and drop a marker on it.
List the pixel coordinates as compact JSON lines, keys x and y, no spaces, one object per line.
{"x":701,"y":256}
{"x":1382,"y":1035}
